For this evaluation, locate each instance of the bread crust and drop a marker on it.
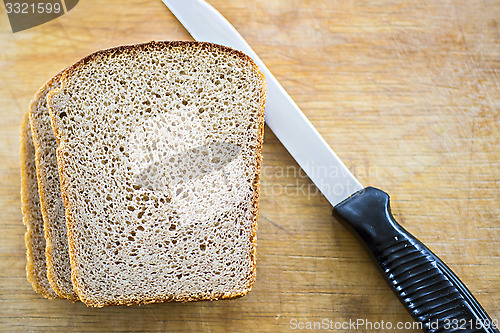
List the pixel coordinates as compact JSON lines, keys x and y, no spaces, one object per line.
{"x":155,"y":45}
{"x":32,"y":219}
{"x":50,"y":222}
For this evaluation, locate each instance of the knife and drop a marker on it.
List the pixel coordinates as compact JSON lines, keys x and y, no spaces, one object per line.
{"x":427,"y":288}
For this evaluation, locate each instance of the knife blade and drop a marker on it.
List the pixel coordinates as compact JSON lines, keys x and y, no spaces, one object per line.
{"x":283,"y":116}
{"x":427,"y":288}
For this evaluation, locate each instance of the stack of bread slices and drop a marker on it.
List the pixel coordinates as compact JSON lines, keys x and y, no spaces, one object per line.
{"x":140,"y":175}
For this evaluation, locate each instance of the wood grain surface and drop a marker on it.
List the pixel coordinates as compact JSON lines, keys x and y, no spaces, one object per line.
{"x":406,"y":92}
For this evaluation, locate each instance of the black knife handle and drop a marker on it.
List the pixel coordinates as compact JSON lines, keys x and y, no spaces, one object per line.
{"x":427,"y":288}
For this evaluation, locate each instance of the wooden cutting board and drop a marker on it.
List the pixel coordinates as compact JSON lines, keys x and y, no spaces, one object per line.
{"x":408,"y":95}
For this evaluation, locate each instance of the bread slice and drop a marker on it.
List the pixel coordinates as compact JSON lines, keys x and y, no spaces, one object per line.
{"x":36,"y":270}
{"x":159,"y":153}
{"x":51,"y":203}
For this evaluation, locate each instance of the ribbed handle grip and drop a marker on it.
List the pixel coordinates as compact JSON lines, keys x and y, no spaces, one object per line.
{"x":428,"y":289}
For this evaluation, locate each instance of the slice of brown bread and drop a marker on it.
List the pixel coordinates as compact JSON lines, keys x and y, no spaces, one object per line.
{"x":159,"y":153}
{"x":51,"y":203}
{"x":36,"y":270}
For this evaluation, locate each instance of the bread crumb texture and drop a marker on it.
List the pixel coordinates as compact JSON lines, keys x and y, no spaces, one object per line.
{"x":159,"y":156}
